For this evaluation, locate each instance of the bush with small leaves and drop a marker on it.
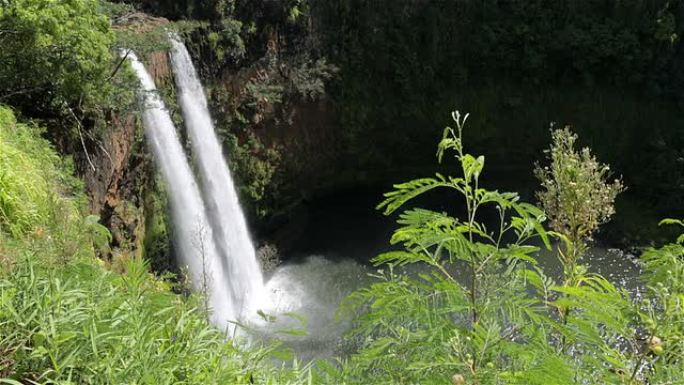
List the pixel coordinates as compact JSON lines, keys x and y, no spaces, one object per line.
{"x":576,"y":196}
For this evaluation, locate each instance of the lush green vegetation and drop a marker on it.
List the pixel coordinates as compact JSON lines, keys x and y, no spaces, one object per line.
{"x":508,"y":322}
{"x":31,"y":177}
{"x":52,"y":47}
{"x":562,"y":43}
{"x":480,"y":310}
{"x":57,"y":60}
{"x":611,"y":69}
{"x":67,"y":319}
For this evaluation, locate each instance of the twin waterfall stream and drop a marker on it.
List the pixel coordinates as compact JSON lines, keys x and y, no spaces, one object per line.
{"x":210,"y":231}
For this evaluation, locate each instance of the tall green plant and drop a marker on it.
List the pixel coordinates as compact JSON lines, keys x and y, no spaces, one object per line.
{"x":414,"y":329}
{"x":614,"y":337}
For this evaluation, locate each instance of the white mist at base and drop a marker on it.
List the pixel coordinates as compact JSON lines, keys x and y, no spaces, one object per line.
{"x":236,"y":251}
{"x":302,"y":303}
{"x":193,"y":235}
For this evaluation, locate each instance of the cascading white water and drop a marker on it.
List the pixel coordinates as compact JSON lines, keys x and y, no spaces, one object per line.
{"x":231,"y":235}
{"x":193,"y":235}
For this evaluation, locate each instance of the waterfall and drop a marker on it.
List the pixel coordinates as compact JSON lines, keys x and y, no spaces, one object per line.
{"x":193,"y":234}
{"x":230,"y":231}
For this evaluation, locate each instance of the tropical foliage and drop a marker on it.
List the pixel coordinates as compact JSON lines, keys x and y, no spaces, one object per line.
{"x":609,"y":68}
{"x":504,"y":321}
{"x":462,"y":297}
{"x":65,"y":318}
{"x":33,"y":180}
{"x":54,"y":50}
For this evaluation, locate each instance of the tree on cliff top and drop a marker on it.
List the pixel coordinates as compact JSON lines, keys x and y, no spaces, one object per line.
{"x":53,"y":51}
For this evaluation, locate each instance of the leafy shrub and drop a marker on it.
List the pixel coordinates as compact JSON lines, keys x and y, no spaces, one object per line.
{"x":33,"y":179}
{"x":662,"y":311}
{"x":54,"y":47}
{"x":429,"y":328}
{"x":576,"y":195}
{"x":479,"y":310}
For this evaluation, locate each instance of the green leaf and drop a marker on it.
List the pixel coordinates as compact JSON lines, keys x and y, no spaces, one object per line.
{"x":266,"y":317}
{"x":401,"y":258}
{"x":404,"y":192}
{"x":472,"y":166}
{"x":9,"y":381}
{"x":670,"y":221}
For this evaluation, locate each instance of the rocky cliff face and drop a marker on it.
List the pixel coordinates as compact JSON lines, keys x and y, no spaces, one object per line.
{"x":112,"y":181}
{"x":120,"y":179}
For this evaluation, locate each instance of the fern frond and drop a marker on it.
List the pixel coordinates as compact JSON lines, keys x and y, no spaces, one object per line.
{"x":401,"y":258}
{"x":426,"y":218}
{"x":429,"y":232}
{"x":404,"y":192}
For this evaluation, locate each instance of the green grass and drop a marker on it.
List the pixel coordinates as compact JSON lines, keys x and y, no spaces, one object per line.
{"x":82,"y":324}
{"x":29,"y":176}
{"x":66,"y":319}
